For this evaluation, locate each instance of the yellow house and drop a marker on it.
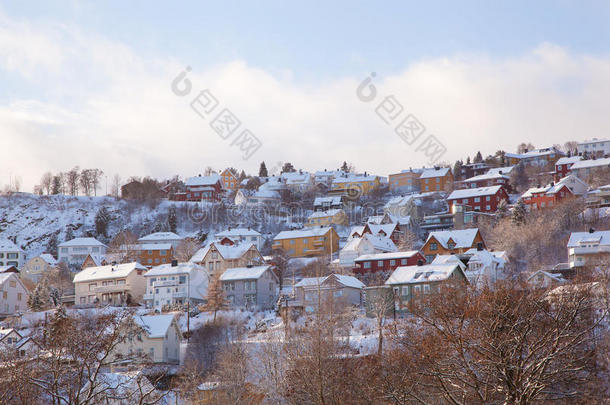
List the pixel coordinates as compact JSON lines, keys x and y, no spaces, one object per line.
{"x":307,"y":242}
{"x":157,"y":342}
{"x":229,"y":180}
{"x":327,"y":218}
{"x":351,"y":184}
{"x":406,"y":180}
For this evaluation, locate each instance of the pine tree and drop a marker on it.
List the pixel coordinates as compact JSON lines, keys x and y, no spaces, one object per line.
{"x":69,"y":233}
{"x":172,"y":219}
{"x":344,"y":167}
{"x":457,"y":169}
{"x":478,"y":158}
{"x":102,"y":219}
{"x":288,"y":168}
{"x":52,"y":244}
{"x":216,"y":300}
{"x":40,"y":297}
{"x":519,"y":212}
{"x":262,"y":171}
{"x":242,"y":176}
{"x":56,"y":185}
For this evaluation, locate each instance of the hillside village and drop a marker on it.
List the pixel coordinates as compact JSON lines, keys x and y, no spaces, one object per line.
{"x":173,"y":267}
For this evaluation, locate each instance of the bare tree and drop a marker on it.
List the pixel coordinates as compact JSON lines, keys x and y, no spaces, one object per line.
{"x":116,"y":186}
{"x":46,"y":182}
{"x":186,"y":249}
{"x":72,"y":179}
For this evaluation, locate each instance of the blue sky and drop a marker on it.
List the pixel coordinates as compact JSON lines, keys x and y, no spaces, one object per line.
{"x":490,"y":74}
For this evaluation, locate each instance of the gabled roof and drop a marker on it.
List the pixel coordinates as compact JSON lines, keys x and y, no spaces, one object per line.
{"x":167,"y":269}
{"x":463,"y":238}
{"x":577,"y":238}
{"x":486,"y":176}
{"x":81,"y":242}
{"x":333,"y":200}
{"x":107,"y":272}
{"x":244,"y":273}
{"x":232,"y":232}
{"x":501,"y":170}
{"x":379,"y":242}
{"x":354,"y":178}
{"x":568,"y":160}
{"x":347,"y":281}
{"x":202,"y":180}
{"x":473,"y":192}
{"x":585,"y":164}
{"x":160,"y":236}
{"x":49,"y":259}
{"x":327,"y":213}
{"x":422,"y":274}
{"x":303,"y":233}
{"x":430,"y":173}
{"x":548,"y":189}
{"x":553,"y":276}
{"x":228,"y":252}
{"x":156,"y":326}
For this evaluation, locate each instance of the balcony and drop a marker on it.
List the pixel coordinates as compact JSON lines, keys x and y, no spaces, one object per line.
{"x":179,"y":294}
{"x":148,"y":297}
{"x":111,"y":288}
{"x":165,"y":283}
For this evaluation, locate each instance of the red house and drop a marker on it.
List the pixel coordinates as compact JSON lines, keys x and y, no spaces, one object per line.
{"x":483,"y":199}
{"x":386,"y":261}
{"x":544,"y":197}
{"x":203,"y":188}
{"x":563,"y":165}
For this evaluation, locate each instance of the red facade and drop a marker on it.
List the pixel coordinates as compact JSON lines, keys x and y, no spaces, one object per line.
{"x":546,"y":199}
{"x":562,"y":170}
{"x":482,"y":203}
{"x":383,"y":263}
{"x":205,"y":193}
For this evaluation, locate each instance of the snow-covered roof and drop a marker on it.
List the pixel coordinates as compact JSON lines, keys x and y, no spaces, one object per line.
{"x":4,"y":269}
{"x":586,"y":164}
{"x":448,"y":259}
{"x":421,"y":274}
{"x":244,"y":273}
{"x":160,"y":236}
{"x":266,"y":193}
{"x":226,"y":251}
{"x":233,"y":232}
{"x":548,"y":189}
{"x":49,"y":259}
{"x":347,"y":281}
{"x":202,"y":180}
{"x":553,"y":276}
{"x":382,"y":243}
{"x":433,"y":172}
{"x":167,"y":269}
{"x":296,"y":178}
{"x":388,"y":229}
{"x":486,"y":176}
{"x":597,"y":237}
{"x":8,"y":246}
{"x":81,"y":242}
{"x":500,"y":170}
{"x":303,"y":233}
{"x":568,"y":160}
{"x":333,"y":200}
{"x":156,"y":326}
{"x":107,"y":272}
{"x":463,"y":238}
{"x":354,"y":178}
{"x":327,"y":213}
{"x":4,"y":277}
{"x":486,"y":257}
{"x":533,"y":153}
{"x":386,"y":256}
{"x":473,"y":192}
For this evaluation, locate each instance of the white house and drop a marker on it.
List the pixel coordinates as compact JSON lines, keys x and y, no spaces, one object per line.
{"x":594,"y":147}
{"x":241,"y":235}
{"x":11,"y":254}
{"x":589,"y":248}
{"x":161,"y":238}
{"x":113,"y":284}
{"x":176,"y":284}
{"x":298,"y":181}
{"x":75,"y":251}
{"x":365,"y":245}
{"x":258,"y":197}
{"x":37,"y":266}
{"x":13,"y":294}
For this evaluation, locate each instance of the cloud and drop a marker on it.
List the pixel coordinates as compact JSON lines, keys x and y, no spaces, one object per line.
{"x":92,"y":102}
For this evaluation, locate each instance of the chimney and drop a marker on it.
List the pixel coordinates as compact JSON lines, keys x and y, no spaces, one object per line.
{"x":420,"y":262}
{"x":591,"y":230}
{"x":174,"y":263}
{"x":199,"y":174}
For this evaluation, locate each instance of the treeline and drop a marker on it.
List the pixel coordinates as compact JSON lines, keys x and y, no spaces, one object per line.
{"x":74,"y":182}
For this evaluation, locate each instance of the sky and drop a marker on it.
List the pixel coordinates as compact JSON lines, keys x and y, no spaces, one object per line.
{"x":90,"y":83}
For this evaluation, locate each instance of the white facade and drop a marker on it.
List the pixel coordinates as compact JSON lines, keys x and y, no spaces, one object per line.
{"x":75,"y":251}
{"x":597,"y":147}
{"x":161,"y":238}
{"x":11,"y":254}
{"x":175,"y":284}
{"x":13,"y":294}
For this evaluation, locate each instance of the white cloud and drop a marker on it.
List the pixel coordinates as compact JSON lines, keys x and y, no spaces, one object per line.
{"x":103,"y":105}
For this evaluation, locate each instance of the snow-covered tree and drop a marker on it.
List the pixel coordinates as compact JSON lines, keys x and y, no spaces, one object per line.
{"x":478,"y":158}
{"x":216,"y":300}
{"x":519,"y":212}
{"x":262,"y":171}
{"x":69,"y":233}
{"x":40,"y":297}
{"x":52,"y":244}
{"x":172,"y":219}
{"x":102,"y":219}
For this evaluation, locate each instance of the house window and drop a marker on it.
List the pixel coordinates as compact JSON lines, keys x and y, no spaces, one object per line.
{"x":433,"y":246}
{"x":19,"y":296}
{"x":488,"y":198}
{"x":4,"y":294}
{"x":426,"y":289}
{"x":92,"y":286}
{"x":12,"y":283}
{"x":338,"y":293}
{"x":417,"y":289}
{"x":405,"y":291}
{"x":403,"y":261}
{"x":477,"y":199}
{"x":367,"y":265}
{"x":488,"y":207}
{"x":392,"y":262}
{"x":83,"y":300}
{"x":379,"y":263}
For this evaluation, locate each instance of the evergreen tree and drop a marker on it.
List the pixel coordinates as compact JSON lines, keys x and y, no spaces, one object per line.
{"x":468,"y":160}
{"x":288,"y":168}
{"x":56,"y":185}
{"x":478,"y":158}
{"x":102,"y":219}
{"x":502,"y":209}
{"x":344,"y":167}
{"x":519,"y":212}
{"x":69,"y":233}
{"x":52,"y":244}
{"x":262,"y":171}
{"x":172,"y":219}
{"x":457,"y":169}
{"x":242,"y":176}
{"x":216,"y":300}
{"x":39,"y":298}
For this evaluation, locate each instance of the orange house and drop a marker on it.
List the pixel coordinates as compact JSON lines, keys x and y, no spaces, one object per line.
{"x":229,"y":180}
{"x":452,"y":242}
{"x":308,"y":242}
{"x":436,"y":179}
